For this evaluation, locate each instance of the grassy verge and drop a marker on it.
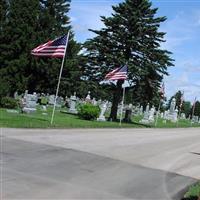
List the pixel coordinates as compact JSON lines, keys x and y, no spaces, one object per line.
{"x":63,"y":120}
{"x":193,"y":193}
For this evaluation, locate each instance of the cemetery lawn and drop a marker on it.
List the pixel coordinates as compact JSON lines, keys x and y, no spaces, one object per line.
{"x":63,"y":120}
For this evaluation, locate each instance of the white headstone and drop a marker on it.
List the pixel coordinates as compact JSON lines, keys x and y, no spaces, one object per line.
{"x":151,"y":114}
{"x":88,"y":98}
{"x":30,"y":102}
{"x":145,"y":119}
{"x":73,"y":100}
{"x":103,"y":110}
{"x":51,"y":99}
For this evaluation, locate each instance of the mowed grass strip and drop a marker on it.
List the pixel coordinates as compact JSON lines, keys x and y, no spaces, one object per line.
{"x":63,"y":120}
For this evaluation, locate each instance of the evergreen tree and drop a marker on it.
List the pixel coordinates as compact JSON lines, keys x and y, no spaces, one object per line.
{"x":186,"y":108}
{"x":3,"y":13}
{"x":28,"y":24}
{"x":54,"y":22}
{"x":197,"y":109}
{"x":131,"y":37}
{"x":16,"y":41}
{"x":178,"y":97}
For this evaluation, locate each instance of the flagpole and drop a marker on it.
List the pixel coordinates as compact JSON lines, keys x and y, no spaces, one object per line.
{"x":193,"y":109}
{"x":120,"y":123}
{"x":181,"y":105}
{"x":162,"y":93}
{"x":157,"y":113}
{"x":58,"y":85}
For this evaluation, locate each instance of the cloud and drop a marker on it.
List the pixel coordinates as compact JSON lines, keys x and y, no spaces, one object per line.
{"x":183,"y":82}
{"x":87,"y":16}
{"x":182,"y":39}
{"x":180,"y":30}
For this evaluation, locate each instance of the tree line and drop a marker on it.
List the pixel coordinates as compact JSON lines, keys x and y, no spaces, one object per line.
{"x":130,"y":36}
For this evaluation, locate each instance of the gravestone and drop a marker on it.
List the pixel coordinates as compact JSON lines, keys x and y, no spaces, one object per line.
{"x":51,"y":99}
{"x":88,"y":98}
{"x":195,"y":119}
{"x":59,"y":101}
{"x":151,"y":114}
{"x":103,"y":108}
{"x":30,"y":102}
{"x":145,"y":119}
{"x":128,"y":113}
{"x":183,"y":116}
{"x":72,"y":108}
{"x":173,"y":112}
{"x":16,"y":95}
{"x":94,"y":102}
{"x":141,"y":110}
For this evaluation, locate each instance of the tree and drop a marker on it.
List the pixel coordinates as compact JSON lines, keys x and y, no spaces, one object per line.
{"x":16,"y":41}
{"x":197,"y":109}
{"x":3,"y":13}
{"x":186,"y":108}
{"x":131,"y":37}
{"x":55,"y":11}
{"x":29,"y":24}
{"x":177,"y":96}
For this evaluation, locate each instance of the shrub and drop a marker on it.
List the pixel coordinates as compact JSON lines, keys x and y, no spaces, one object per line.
{"x":8,"y":102}
{"x":88,"y":111}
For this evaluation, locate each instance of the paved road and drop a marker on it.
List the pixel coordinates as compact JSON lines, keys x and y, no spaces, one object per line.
{"x":144,"y":164}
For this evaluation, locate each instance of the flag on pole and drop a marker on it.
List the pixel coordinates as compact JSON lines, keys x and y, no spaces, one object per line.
{"x":162,"y":91}
{"x":182,"y":100}
{"x":193,"y":107}
{"x":54,"y":49}
{"x":195,"y":100}
{"x":117,"y":74}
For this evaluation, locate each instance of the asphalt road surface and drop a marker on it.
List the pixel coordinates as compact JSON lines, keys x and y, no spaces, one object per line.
{"x":146,"y":164}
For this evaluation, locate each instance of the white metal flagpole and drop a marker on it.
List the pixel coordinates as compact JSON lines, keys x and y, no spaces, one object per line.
{"x":120,"y":123}
{"x":157,"y":113}
{"x":193,"y":109}
{"x":61,"y":69}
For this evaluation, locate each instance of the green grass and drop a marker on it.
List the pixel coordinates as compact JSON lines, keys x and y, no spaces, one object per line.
{"x":193,"y":193}
{"x":62,"y":120}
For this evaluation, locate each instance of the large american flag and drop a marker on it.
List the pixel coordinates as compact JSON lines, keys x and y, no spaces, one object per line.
{"x":117,"y":74}
{"x":55,"y":48}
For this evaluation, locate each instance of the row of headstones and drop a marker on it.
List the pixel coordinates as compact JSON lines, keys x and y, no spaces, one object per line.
{"x":104,"y":105}
{"x":171,"y":114}
{"x":29,"y":102}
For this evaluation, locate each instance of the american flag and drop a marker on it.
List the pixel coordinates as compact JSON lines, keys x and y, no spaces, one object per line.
{"x":54,"y":49}
{"x":182,"y":99}
{"x":117,"y":74}
{"x":194,"y":105}
{"x":162,"y":91}
{"x":195,"y":100}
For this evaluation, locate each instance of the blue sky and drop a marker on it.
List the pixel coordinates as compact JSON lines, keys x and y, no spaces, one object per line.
{"x":183,"y":37}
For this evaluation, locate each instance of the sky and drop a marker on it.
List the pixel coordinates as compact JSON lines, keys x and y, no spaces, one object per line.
{"x":182,"y":39}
